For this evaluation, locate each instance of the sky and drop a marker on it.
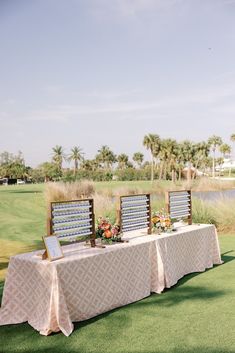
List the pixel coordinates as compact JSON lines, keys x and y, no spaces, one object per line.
{"x":89,"y":73}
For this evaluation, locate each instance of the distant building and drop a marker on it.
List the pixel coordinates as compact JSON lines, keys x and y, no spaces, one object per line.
{"x":227,"y":165}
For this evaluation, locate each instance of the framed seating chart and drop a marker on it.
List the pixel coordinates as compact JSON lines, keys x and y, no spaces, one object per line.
{"x":53,"y":248}
{"x":179,"y":205}
{"x":72,"y":220}
{"x":135,"y":213}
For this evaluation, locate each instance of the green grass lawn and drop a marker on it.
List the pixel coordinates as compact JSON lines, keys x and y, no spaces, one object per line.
{"x":195,"y":316}
{"x":22,"y":221}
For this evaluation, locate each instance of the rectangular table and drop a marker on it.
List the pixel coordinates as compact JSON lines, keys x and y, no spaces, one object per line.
{"x":91,"y":281}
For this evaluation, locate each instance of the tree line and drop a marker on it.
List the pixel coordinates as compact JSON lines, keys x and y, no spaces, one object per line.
{"x":168,"y":160}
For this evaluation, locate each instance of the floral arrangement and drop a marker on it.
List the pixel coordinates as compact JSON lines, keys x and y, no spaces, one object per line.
{"x":106,"y":231}
{"x":161,"y":221}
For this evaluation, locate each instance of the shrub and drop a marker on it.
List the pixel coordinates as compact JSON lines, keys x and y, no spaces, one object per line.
{"x":97,"y":175}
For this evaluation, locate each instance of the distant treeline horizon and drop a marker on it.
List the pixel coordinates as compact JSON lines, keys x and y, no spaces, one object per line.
{"x":168,"y":160}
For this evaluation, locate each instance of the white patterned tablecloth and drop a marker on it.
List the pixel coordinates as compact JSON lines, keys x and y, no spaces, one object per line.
{"x":50,"y":296}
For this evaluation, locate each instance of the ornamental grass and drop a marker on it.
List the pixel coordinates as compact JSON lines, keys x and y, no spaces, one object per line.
{"x":61,"y":191}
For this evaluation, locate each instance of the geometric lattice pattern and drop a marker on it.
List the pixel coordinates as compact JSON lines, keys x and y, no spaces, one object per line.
{"x":90,"y":281}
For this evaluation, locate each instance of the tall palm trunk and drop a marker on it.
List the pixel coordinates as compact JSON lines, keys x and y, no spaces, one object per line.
{"x":230,"y":169}
{"x":161,"y":170}
{"x":165,"y":171}
{"x":195,"y":171}
{"x":180,"y":174}
{"x":189,"y":172}
{"x":173,"y":175}
{"x":152,"y":167}
{"x":213,"y":164}
{"x":75,"y":167}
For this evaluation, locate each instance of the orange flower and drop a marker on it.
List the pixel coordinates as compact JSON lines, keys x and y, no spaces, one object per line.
{"x":108,"y":233}
{"x":155,"y":219}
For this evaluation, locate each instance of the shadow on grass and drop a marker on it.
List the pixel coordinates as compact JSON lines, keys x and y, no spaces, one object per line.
{"x":174,"y":297}
{"x":226,"y":258}
{"x":188,"y":277}
{"x":189,"y":293}
{"x":1,"y":289}
{"x":3,"y":265}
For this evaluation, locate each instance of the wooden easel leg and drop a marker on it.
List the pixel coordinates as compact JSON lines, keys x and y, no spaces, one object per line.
{"x":44,"y":255}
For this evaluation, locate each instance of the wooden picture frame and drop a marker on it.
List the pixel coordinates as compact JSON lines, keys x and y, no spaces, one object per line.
{"x":53,"y":248}
{"x":179,"y":204}
{"x":134,"y":213}
{"x":72,"y":219}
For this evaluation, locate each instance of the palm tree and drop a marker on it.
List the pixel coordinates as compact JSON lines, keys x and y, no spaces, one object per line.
{"x":138,"y":157}
{"x":89,"y":164}
{"x":202,"y":150}
{"x":168,"y":156}
{"x":172,"y":150}
{"x":76,"y":156}
{"x":226,"y":150}
{"x":180,"y":161}
{"x":219,"y":161}
{"x":122,"y":161}
{"x":214,"y":141}
{"x":162,"y":155}
{"x":189,"y":151}
{"x":58,"y":156}
{"x":232,"y":138}
{"x":152,"y":143}
{"x":106,"y":157}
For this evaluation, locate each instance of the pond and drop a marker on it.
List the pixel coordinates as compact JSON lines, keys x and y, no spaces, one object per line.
{"x":214,"y":195}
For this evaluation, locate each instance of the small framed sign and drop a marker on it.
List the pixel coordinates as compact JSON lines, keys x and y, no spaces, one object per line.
{"x":53,"y":248}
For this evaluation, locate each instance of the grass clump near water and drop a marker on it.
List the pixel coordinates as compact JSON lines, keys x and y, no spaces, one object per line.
{"x":210,"y":184}
{"x":221,"y":213}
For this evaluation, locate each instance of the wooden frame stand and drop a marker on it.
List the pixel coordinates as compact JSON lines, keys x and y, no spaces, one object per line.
{"x":72,"y":219}
{"x":179,"y":204}
{"x":134,"y":213}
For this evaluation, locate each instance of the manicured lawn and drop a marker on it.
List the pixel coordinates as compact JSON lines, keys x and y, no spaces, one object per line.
{"x":196,"y":316}
{"x":22,"y":221}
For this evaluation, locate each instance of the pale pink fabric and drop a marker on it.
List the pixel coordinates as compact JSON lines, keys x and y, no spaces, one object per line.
{"x":193,"y":249}
{"x":90,"y":281}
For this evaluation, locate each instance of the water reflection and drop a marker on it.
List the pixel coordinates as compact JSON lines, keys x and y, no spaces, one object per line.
{"x":214,"y":195}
